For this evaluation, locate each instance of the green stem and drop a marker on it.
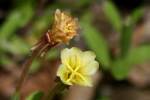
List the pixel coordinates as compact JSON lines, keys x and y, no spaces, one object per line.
{"x":60,"y":87}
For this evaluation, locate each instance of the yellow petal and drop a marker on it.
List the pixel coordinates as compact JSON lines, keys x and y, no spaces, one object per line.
{"x":88,"y":56}
{"x":61,"y":70}
{"x":63,"y":74}
{"x":86,"y":82}
{"x":90,"y":65}
{"x":90,"y":68}
{"x":66,"y":54}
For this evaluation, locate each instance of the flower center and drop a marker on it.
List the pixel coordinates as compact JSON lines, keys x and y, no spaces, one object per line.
{"x":74,"y":65}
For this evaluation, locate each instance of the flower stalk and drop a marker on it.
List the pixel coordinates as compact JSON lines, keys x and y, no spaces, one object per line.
{"x":60,"y":87}
{"x":37,"y":50}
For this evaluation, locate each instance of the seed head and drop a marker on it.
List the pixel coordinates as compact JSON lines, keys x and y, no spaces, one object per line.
{"x":64,"y":27}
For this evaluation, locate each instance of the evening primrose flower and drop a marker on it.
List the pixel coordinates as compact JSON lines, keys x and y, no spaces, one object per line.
{"x":77,"y":67}
{"x":64,"y":27}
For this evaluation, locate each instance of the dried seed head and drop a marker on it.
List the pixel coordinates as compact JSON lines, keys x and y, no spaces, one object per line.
{"x":64,"y":27}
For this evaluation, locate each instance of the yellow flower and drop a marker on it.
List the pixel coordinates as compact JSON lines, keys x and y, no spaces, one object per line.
{"x":77,"y":67}
{"x":64,"y":27}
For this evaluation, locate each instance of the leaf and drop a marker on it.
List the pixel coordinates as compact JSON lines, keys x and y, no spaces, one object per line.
{"x":95,"y":40}
{"x":138,"y":55}
{"x":113,"y":15}
{"x":126,"y":36}
{"x":42,"y":23}
{"x":17,"y":18}
{"x":15,"y":96}
{"x":16,"y":46}
{"x":10,"y":25}
{"x":122,"y":67}
{"x":9,"y":42}
{"x":127,"y":30}
{"x":5,"y":61}
{"x":104,"y":97}
{"x":137,"y":14}
{"x":35,"y":96}
{"x":83,"y":3}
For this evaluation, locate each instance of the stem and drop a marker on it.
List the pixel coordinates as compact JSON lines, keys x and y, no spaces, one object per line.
{"x":57,"y":89}
{"x":27,"y":65}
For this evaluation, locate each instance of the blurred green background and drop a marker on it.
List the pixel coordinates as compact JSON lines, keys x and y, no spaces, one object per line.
{"x":118,"y":31}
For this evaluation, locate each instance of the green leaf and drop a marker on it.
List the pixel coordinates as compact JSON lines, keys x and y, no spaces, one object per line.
{"x":103,"y":97}
{"x":10,"y":25}
{"x":16,"y":46}
{"x":83,"y":3}
{"x":137,"y":14}
{"x":113,"y":15}
{"x":138,"y":55}
{"x":121,"y":68}
{"x":95,"y":40}
{"x":42,"y":23}
{"x":15,"y":96}
{"x":5,"y":61}
{"x":126,"y":36}
{"x":35,"y":96}
{"x":127,"y":30}
{"x":17,"y":19}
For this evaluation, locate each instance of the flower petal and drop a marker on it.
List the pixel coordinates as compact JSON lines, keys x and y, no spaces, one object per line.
{"x":86,"y":82}
{"x":88,"y":56}
{"x":68,"y":53}
{"x":90,"y":68}
{"x":63,"y":74}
